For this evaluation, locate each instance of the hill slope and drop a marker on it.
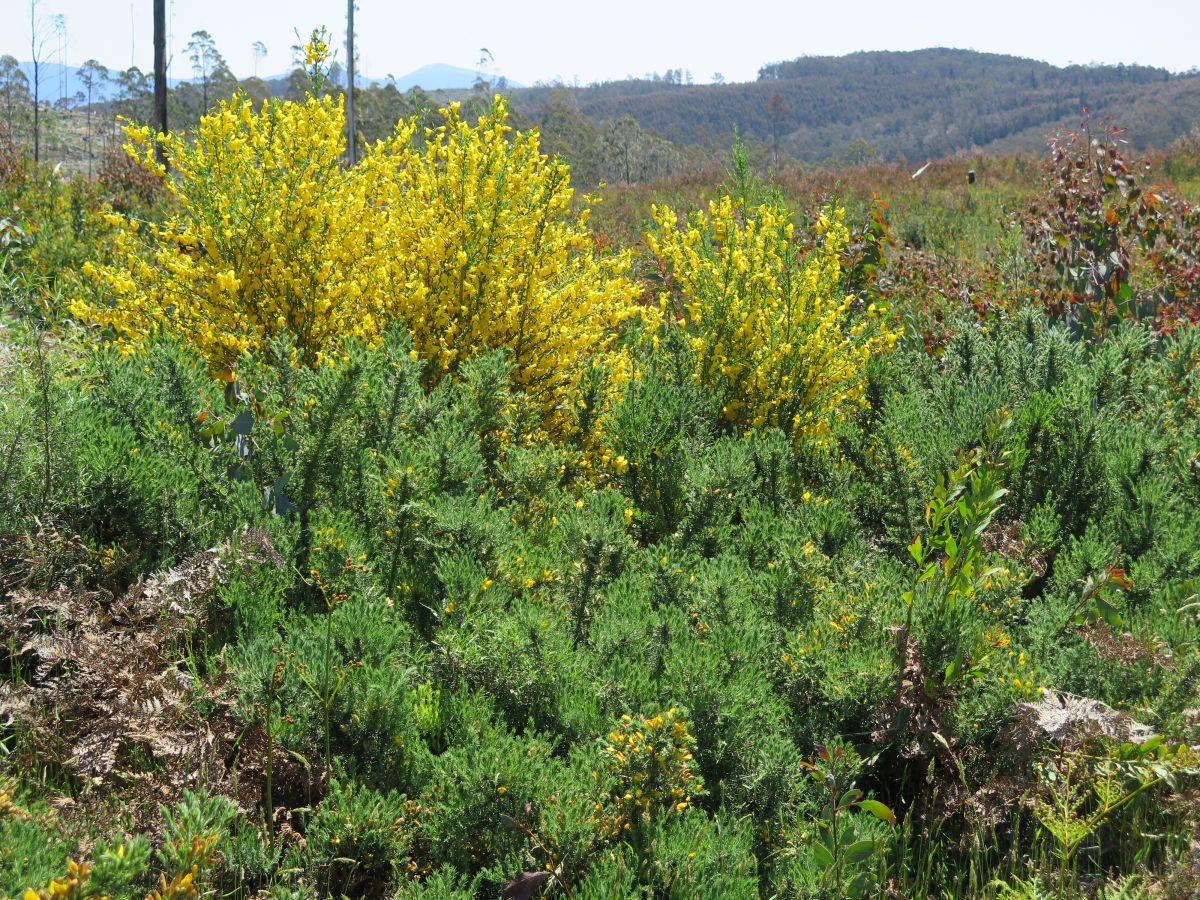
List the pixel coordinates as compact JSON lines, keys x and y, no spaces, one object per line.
{"x":919,"y":104}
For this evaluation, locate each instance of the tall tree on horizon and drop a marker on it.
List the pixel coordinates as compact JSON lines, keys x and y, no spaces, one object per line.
{"x":93,"y":75}
{"x":38,"y":35}
{"x":260,"y":53}
{"x":135,"y":94}
{"x":14,"y":92}
{"x":207,"y":64}
{"x":160,"y":74}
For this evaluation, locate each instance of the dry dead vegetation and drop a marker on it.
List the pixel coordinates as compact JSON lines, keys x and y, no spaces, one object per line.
{"x":102,"y":686}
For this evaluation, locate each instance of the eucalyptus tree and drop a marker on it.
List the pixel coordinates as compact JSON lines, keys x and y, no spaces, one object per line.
{"x":94,"y":78}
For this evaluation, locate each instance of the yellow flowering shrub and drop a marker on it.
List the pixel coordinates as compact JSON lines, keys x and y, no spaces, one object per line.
{"x":771,"y":331}
{"x":467,"y":236}
{"x":269,"y":234}
{"x":651,"y":759}
{"x":480,"y":220}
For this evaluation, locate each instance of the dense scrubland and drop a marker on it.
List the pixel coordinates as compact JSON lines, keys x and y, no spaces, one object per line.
{"x":422,"y":528}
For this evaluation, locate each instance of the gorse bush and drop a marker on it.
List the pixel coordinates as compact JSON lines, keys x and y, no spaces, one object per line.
{"x":651,"y":760}
{"x":49,"y":226}
{"x":771,"y":332}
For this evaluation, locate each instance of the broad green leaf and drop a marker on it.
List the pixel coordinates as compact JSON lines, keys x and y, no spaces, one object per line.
{"x":244,"y":423}
{"x":952,"y":668}
{"x":822,"y":855}
{"x":860,"y":851}
{"x":858,"y":886}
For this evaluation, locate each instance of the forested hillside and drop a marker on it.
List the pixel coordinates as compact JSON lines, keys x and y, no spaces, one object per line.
{"x":919,"y":104}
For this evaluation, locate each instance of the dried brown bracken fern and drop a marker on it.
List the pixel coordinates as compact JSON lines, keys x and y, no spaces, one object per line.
{"x":97,"y":687}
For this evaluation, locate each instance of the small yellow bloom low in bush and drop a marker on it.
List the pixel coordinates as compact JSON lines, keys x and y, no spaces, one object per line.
{"x":651,"y":758}
{"x":771,"y":331}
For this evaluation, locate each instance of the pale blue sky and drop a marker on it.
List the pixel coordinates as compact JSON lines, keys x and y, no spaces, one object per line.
{"x":616,"y":38}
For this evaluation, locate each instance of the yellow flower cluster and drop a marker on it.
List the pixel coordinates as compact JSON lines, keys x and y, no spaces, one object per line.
{"x":466,"y":236}
{"x":771,"y":331}
{"x":71,"y":885}
{"x":1015,"y":672}
{"x":999,"y":593}
{"x":182,"y":886}
{"x":8,"y":804}
{"x":651,"y":758}
{"x":482,"y":233}
{"x":270,"y":235}
{"x":75,"y":884}
{"x":316,"y":51}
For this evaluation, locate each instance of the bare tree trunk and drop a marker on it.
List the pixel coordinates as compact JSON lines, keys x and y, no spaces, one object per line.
{"x":35,"y":51}
{"x":160,"y":74}
{"x":351,"y":143}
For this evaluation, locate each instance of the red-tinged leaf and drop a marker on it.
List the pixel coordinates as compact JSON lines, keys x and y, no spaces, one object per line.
{"x":1118,"y":577}
{"x":916,"y":550}
{"x":878,"y":810}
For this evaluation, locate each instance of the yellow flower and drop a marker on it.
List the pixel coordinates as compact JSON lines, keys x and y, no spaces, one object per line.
{"x":771,"y":332}
{"x":653,"y":767}
{"x":316,"y":51}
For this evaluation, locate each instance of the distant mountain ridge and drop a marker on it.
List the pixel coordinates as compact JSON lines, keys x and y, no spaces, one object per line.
{"x":50,"y":75}
{"x":441,"y":77}
{"x":868,"y":105}
{"x":918,"y":104}
{"x":434,"y":77}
